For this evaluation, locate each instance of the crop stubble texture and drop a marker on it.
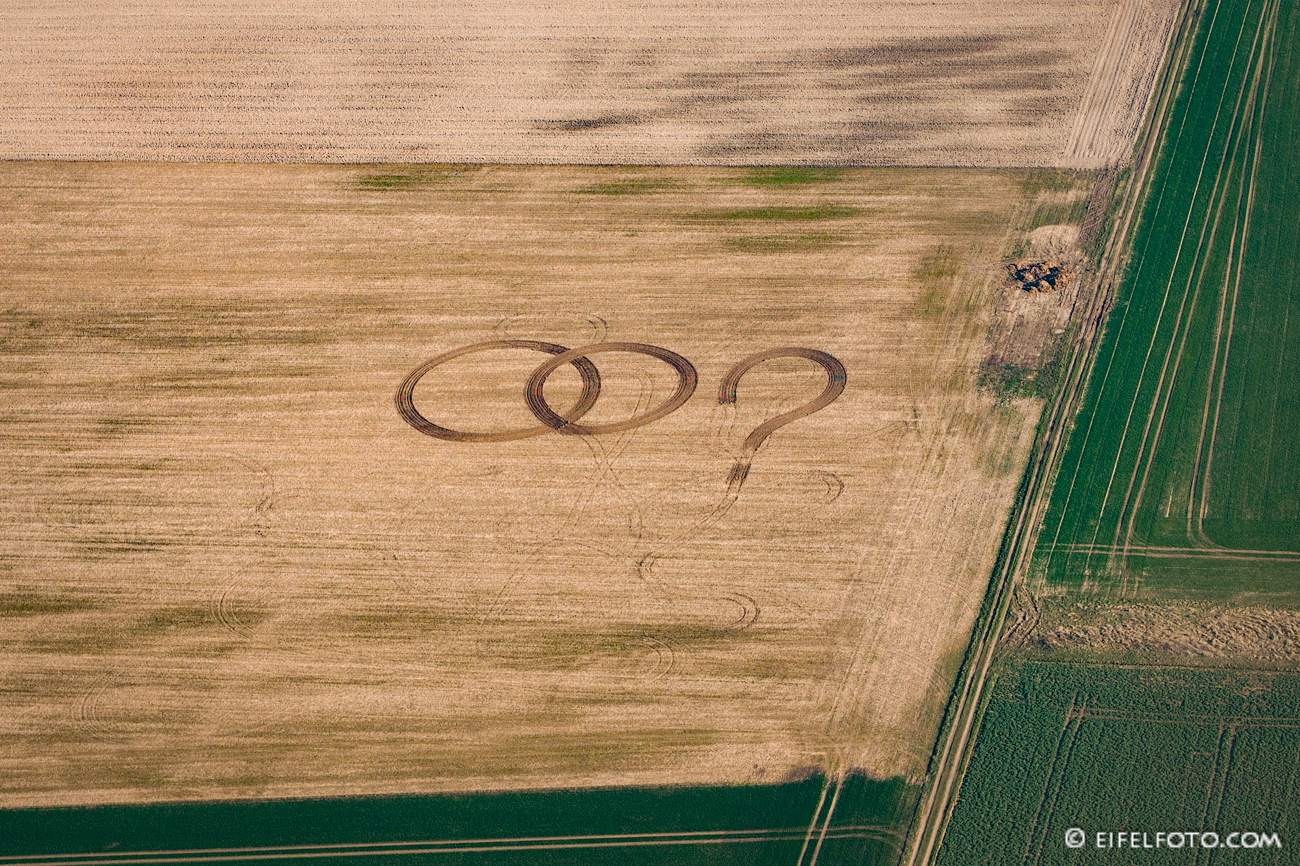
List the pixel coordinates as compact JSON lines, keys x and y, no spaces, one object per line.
{"x":809,"y":82}
{"x":231,"y":568}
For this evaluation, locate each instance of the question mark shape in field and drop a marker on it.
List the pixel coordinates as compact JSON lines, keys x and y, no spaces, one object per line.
{"x":836,"y":377}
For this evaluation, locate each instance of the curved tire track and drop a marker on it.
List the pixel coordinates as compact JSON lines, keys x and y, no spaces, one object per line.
{"x":687,"y":379}
{"x":836,"y":379}
{"x":405,"y":397}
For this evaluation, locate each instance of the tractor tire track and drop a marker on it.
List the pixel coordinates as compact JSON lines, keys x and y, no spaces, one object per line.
{"x":1169,"y":376}
{"x":405,"y":397}
{"x":687,"y":380}
{"x":836,"y":380}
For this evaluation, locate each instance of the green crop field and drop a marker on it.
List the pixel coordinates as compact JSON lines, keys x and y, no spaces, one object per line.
{"x":751,"y":825}
{"x":1113,"y":749}
{"x":1182,"y":476}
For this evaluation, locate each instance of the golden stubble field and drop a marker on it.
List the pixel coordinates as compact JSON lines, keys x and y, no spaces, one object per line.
{"x":952,"y":82}
{"x":230,"y":568}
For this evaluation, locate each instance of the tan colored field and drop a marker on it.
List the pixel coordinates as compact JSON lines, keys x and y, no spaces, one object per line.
{"x":231,"y":568}
{"x":957,"y":83}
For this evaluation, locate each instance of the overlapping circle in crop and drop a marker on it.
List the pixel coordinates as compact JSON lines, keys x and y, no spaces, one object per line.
{"x":687,"y":379}
{"x":567,"y":421}
{"x":406,"y":392}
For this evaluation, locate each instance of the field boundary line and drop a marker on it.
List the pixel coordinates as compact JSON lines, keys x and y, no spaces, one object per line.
{"x":953,"y":748}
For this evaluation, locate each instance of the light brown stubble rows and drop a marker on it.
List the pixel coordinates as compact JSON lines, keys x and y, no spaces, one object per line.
{"x":240,"y":573}
{"x":951,"y":83}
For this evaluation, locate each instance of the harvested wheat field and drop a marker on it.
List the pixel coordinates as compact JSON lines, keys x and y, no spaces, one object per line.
{"x":952,"y":83}
{"x":233,"y":568}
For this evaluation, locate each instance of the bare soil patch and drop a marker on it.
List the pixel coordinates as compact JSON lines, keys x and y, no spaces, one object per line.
{"x":1042,"y":283}
{"x":1042,"y":276}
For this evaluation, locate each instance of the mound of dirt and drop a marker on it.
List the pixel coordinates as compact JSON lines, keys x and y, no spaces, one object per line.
{"x":1040,"y":276}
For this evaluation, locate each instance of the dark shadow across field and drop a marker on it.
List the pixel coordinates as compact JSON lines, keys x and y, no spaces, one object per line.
{"x":772,"y":824}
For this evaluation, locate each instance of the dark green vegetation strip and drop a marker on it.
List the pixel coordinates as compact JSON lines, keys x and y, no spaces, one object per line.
{"x":642,"y":826}
{"x":1129,"y":749}
{"x":1183,"y":473}
{"x":409,"y":178}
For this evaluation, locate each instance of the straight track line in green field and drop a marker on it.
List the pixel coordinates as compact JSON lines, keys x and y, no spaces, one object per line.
{"x":815,"y":836}
{"x":1218,"y":783}
{"x":1105,"y":373}
{"x":1138,"y":760}
{"x":1180,"y":250}
{"x":1200,"y":255}
{"x":1198,"y":496}
{"x":1165,"y":299}
{"x":1160,"y":552}
{"x":1183,"y":401}
{"x":442,"y":846}
{"x":1185,"y":718}
{"x":1052,"y":790}
{"x":1260,"y":55}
